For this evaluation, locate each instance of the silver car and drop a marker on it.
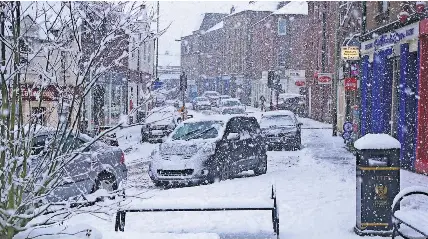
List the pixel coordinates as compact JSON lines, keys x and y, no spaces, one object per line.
{"x":99,"y":166}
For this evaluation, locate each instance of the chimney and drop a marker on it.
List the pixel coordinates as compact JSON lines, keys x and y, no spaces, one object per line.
{"x":282,"y":4}
{"x":232,"y":9}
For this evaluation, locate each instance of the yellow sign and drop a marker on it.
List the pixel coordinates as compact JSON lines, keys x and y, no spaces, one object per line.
{"x":350,"y":53}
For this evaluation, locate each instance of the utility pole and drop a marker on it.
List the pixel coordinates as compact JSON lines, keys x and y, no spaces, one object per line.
{"x":336,"y":75}
{"x":271,"y":76}
{"x":157,"y":41}
{"x":183,"y":87}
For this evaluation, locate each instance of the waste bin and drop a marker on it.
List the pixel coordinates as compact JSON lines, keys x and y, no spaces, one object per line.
{"x":378,"y":182}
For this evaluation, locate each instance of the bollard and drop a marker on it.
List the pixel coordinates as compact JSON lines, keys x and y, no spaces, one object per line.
{"x":377,"y":183}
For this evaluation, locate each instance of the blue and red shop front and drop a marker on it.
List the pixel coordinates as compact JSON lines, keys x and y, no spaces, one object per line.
{"x":394,"y":88}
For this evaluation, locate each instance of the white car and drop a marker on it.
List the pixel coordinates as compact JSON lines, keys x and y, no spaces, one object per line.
{"x":230,"y":106}
{"x":159,"y":123}
{"x":201,"y":103}
{"x":212,"y":96}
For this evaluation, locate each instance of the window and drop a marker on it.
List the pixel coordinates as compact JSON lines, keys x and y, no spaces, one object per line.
{"x":281,"y":58}
{"x":382,"y":6}
{"x":39,"y":115}
{"x":282,"y":27}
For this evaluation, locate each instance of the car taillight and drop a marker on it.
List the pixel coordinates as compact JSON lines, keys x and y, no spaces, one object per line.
{"x":122,"y":158}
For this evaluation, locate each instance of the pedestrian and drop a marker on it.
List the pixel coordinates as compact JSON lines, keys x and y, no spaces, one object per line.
{"x":262,"y":101}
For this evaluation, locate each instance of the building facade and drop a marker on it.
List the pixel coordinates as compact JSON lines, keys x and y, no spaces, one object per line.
{"x":393,"y":85}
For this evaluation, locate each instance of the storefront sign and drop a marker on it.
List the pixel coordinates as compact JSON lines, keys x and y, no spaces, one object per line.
{"x":350,"y":53}
{"x":391,"y":38}
{"x":294,"y":73}
{"x":49,"y":93}
{"x":351,"y":84}
{"x":325,"y":78}
{"x":299,"y":81}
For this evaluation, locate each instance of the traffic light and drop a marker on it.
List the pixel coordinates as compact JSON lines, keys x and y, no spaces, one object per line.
{"x":183,"y":81}
{"x":271,"y":76}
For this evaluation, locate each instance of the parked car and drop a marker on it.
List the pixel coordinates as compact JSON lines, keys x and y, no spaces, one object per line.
{"x":281,"y":129}
{"x":201,"y":103}
{"x":212,"y":96}
{"x":109,"y":138}
{"x":99,"y":166}
{"x":295,"y":103}
{"x":159,"y":123}
{"x":203,"y":150}
{"x":222,"y":97}
{"x":230,"y":106}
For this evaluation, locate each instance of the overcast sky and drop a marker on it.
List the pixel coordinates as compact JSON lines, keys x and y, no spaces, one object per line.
{"x":185,"y":17}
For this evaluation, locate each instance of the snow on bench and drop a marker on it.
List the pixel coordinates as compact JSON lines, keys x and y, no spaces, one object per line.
{"x":196,"y":203}
{"x":199,"y":205}
{"x":414,"y":218}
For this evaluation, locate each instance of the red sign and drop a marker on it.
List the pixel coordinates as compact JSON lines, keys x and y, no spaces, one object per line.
{"x":49,"y":93}
{"x":325,"y":78}
{"x":300,"y":82}
{"x":351,"y":84}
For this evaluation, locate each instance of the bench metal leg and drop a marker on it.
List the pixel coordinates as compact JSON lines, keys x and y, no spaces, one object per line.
{"x":120,"y":221}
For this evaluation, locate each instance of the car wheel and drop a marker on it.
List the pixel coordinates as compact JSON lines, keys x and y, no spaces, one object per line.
{"x":106,"y":181}
{"x":298,"y":145}
{"x":262,"y":167}
{"x":225,"y":172}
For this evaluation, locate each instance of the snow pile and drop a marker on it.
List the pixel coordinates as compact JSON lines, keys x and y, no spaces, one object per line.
{"x":216,"y":27}
{"x":377,"y":141}
{"x":294,"y":7}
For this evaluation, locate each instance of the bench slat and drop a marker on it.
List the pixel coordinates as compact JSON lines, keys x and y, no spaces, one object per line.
{"x":415,"y":219}
{"x":197,"y":204}
{"x":197,"y":209}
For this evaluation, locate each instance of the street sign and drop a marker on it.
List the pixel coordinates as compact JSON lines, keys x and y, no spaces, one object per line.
{"x":299,"y":81}
{"x":350,"y":53}
{"x":325,"y":78}
{"x":264,"y":75}
{"x":351,"y":84}
{"x":348,"y":126}
{"x":346,"y":135}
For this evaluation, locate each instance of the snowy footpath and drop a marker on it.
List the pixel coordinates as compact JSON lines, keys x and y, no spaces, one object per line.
{"x":315,"y":190}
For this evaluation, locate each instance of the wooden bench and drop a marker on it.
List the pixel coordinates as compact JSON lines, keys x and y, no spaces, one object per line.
{"x":417,"y":220}
{"x":203,"y":206}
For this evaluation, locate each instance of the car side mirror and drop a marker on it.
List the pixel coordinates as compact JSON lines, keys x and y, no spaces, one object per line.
{"x":190,"y":116}
{"x":233,"y":136}
{"x":300,"y":124}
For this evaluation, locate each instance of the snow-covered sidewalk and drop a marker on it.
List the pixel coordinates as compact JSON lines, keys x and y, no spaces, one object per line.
{"x":315,"y":189}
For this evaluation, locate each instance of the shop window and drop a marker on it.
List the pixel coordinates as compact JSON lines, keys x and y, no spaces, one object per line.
{"x":39,"y":115}
{"x":382,"y":6}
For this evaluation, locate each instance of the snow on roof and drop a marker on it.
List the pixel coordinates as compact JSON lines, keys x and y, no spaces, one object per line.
{"x":289,"y":95}
{"x":215,"y":27}
{"x":264,"y":6}
{"x":377,"y":141}
{"x":278,"y":112}
{"x":294,"y":7}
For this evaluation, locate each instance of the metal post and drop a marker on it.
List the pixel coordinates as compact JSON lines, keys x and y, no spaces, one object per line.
{"x":336,"y":76}
{"x":157,"y":42}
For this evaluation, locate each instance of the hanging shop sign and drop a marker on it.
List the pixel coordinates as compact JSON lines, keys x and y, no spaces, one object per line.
{"x":351,"y":84}
{"x":48,"y":93}
{"x":325,"y":78}
{"x":299,"y":81}
{"x":350,"y":53}
{"x":389,"y":39}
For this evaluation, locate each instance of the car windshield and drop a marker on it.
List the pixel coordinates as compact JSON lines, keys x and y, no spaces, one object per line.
{"x":230,"y":103}
{"x":201,"y":99}
{"x":277,"y":120}
{"x":198,"y":130}
{"x":210,"y":94}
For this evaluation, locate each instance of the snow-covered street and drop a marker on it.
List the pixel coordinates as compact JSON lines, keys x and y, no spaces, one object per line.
{"x":315,"y":188}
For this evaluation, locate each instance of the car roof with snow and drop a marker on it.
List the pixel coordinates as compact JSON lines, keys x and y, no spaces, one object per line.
{"x":278,"y":112}
{"x":223,"y":118}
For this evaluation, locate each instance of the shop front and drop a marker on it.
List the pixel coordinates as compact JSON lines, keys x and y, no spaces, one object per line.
{"x":389,"y":87}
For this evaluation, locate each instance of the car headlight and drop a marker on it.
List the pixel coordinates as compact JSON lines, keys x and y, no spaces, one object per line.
{"x":208,"y":149}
